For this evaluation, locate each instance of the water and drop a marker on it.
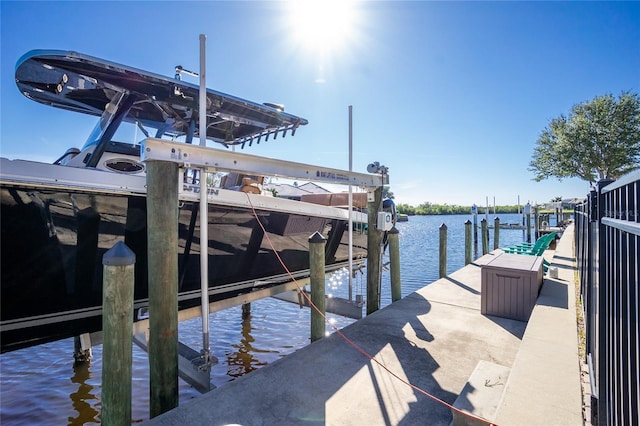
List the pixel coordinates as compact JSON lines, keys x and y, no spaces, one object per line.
{"x":40,"y":385}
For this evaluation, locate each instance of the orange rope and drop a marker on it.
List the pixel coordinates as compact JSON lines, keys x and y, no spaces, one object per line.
{"x":351,"y":342}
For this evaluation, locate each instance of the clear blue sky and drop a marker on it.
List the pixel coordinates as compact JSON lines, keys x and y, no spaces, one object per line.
{"x":450,"y":96}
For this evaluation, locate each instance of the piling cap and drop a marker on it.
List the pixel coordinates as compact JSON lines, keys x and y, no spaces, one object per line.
{"x":317,"y":238}
{"x":394,"y":230}
{"x":119,"y":255}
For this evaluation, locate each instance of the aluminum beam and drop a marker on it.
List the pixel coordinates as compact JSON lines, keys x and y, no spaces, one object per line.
{"x":193,"y":156}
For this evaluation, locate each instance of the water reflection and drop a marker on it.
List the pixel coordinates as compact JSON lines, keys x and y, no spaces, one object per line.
{"x":241,"y":360}
{"x":82,"y":399}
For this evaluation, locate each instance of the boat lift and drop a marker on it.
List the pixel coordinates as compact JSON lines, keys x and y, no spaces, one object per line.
{"x":211,"y":160}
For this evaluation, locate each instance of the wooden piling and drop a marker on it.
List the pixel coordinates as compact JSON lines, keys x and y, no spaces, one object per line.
{"x":374,"y":252}
{"x":394,"y":259}
{"x":467,"y":242}
{"x":81,"y":354}
{"x":485,"y":236}
{"x":117,"y":325}
{"x":162,"y":228}
{"x":474,"y":211}
{"x":496,"y":232}
{"x":317,"y":273}
{"x":443,"y":250}
{"x":246,"y":310}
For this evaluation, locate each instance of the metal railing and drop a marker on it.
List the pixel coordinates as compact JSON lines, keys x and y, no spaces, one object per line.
{"x":607,"y":234}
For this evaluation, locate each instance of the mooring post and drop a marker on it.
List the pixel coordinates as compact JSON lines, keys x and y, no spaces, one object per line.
{"x":536,"y":223}
{"x":317,"y":272}
{"x":467,"y":242}
{"x":162,"y":228}
{"x":443,"y":250}
{"x":496,"y":232}
{"x":117,"y":325}
{"x":485,"y":236}
{"x":374,"y":251}
{"x":82,"y":353}
{"x":394,"y":259}
{"x":246,"y":310}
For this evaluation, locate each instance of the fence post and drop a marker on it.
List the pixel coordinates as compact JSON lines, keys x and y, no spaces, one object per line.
{"x":604,"y":362}
{"x":443,"y":250}
{"x":316,"y":272}
{"x":467,"y":242}
{"x":117,"y":325}
{"x":394,"y":259}
{"x":485,"y":236}
{"x":496,"y":232}
{"x":162,"y":237}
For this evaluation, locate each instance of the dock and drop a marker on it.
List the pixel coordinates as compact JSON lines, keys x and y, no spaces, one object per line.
{"x":506,"y":371}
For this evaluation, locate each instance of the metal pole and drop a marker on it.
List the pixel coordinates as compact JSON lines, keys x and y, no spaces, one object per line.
{"x":486,"y":211}
{"x":467,"y":242}
{"x":317,"y":273}
{"x":394,"y":259}
{"x":204,"y":208}
{"x":350,"y":204}
{"x":162,"y":236}
{"x":117,"y":324}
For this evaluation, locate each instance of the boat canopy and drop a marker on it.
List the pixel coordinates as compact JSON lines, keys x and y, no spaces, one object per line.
{"x":90,"y":85}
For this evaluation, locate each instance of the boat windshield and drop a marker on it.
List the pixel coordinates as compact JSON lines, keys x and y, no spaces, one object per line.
{"x":114,"y":128}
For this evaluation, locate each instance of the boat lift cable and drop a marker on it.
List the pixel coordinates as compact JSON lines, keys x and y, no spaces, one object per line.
{"x":351,"y":342}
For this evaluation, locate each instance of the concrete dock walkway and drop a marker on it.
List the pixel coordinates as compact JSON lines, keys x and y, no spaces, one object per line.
{"x":434,"y":339}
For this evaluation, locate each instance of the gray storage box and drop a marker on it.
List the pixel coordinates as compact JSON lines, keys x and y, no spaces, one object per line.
{"x":510,"y":285}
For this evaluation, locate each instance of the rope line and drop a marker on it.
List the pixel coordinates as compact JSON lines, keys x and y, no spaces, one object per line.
{"x":351,"y":342}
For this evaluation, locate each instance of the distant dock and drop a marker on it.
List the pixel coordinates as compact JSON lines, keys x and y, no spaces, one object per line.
{"x":436,"y":339}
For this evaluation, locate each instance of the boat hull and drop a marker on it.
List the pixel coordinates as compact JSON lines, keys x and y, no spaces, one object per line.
{"x":53,"y":240}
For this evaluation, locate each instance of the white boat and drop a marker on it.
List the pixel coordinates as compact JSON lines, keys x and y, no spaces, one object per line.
{"x":59,"y":219}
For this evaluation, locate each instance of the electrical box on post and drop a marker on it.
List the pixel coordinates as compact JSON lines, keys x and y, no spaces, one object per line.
{"x":384,"y":221}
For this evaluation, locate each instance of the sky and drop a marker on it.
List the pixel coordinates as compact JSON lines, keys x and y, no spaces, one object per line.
{"x":450,"y":96}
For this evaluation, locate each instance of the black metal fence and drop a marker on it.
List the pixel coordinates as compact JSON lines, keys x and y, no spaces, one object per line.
{"x":607,"y":233}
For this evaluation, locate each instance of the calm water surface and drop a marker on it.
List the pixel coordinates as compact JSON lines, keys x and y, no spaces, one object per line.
{"x":40,"y":385}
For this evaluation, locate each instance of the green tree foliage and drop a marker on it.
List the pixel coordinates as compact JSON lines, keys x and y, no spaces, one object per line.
{"x":598,"y":139}
{"x":428,"y":208}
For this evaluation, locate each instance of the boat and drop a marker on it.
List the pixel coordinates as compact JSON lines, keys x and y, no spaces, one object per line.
{"x":401,"y":217}
{"x":59,"y":219}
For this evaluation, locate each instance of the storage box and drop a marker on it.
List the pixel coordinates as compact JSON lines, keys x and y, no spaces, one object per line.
{"x":510,"y":285}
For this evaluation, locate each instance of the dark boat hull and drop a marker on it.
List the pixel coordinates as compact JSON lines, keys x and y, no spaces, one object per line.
{"x":53,"y":242}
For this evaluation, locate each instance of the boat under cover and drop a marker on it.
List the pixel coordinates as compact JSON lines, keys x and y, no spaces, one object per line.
{"x":59,"y":219}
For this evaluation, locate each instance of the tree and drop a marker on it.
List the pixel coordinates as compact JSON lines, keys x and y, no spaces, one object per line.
{"x":599,"y":139}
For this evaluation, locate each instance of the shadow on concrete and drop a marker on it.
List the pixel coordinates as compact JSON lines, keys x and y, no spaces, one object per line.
{"x":567,"y":259}
{"x":462,"y":285}
{"x":567,"y":267}
{"x":554,"y":294}
{"x":515,"y":327}
{"x":332,"y":382}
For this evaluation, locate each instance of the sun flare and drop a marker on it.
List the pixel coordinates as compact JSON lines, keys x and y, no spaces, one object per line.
{"x":324,"y":25}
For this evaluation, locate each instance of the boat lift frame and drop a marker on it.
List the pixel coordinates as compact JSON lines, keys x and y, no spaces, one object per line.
{"x":215,"y":159}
